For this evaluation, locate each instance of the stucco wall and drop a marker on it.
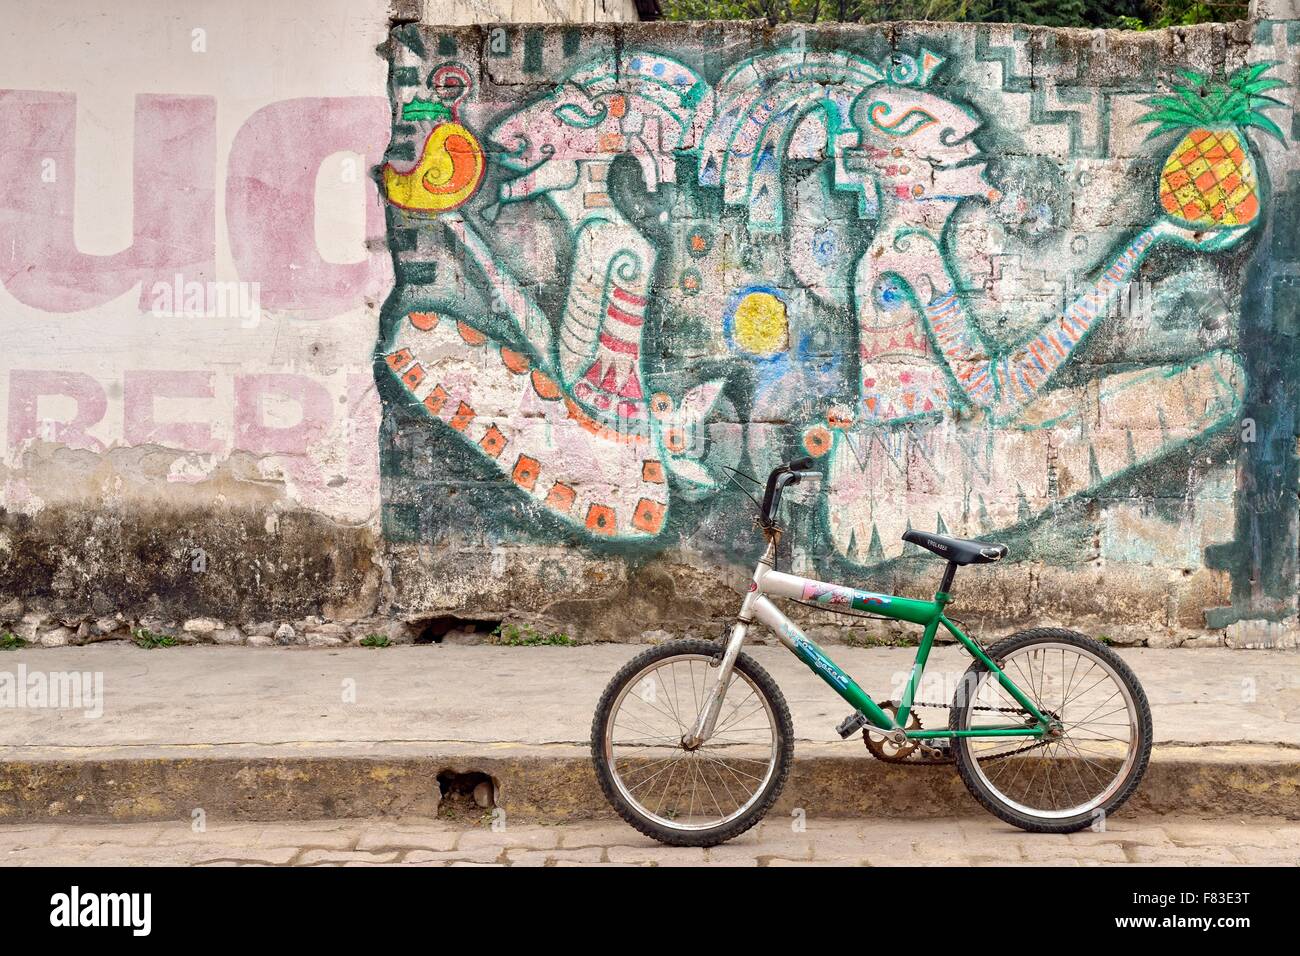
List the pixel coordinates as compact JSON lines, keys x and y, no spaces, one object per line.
{"x":506,"y":303}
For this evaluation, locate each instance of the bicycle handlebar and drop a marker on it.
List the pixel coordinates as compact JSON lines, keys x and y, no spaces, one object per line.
{"x":782,"y":477}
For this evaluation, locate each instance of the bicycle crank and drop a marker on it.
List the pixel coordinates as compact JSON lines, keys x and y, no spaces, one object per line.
{"x":940,"y":752}
{"x":891,"y":749}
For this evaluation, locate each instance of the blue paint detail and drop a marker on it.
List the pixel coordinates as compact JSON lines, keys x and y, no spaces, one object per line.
{"x":709,"y":176}
{"x":889,"y":294}
{"x":824,"y":246}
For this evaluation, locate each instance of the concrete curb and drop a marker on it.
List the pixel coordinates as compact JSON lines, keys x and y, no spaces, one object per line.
{"x":555,"y":783}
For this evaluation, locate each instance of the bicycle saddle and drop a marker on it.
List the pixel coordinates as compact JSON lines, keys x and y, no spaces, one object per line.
{"x":957,"y":550}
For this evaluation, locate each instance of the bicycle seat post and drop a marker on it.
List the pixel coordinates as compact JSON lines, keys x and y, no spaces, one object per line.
{"x":945,"y":587}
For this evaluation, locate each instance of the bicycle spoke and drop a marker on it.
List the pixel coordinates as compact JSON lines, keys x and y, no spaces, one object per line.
{"x":1075,"y":770}
{"x":666,"y":760}
{"x":1085,"y":717}
{"x":690,"y":788}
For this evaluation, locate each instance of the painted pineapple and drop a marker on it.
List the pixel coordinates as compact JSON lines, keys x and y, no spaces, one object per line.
{"x":1209,"y":178}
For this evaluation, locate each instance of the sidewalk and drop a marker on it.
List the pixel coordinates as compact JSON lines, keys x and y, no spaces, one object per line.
{"x":274,"y":734}
{"x":780,"y":840}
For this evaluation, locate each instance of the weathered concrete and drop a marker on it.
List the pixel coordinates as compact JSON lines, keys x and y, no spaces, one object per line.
{"x":556,"y":783}
{"x":1171,"y":841}
{"x":351,"y":732}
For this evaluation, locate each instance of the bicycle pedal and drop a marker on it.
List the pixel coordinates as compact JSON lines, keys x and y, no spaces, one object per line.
{"x":850,"y":725}
{"x":937,"y":751}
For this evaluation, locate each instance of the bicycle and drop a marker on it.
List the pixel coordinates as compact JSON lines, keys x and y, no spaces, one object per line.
{"x":1063,"y":743}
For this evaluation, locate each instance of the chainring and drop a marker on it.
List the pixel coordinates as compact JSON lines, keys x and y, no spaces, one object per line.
{"x":912,"y":752}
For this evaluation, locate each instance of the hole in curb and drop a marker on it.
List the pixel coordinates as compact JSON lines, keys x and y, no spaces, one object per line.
{"x":466,"y":794}
{"x":431,"y":630}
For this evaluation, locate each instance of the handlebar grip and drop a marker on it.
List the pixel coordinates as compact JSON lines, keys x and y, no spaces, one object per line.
{"x":781,"y":476}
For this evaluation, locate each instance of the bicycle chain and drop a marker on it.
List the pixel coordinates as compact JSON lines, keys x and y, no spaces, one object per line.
{"x":941,"y":761}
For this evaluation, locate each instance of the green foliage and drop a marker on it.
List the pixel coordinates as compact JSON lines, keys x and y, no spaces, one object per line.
{"x":1186,"y":13}
{"x":1116,"y":14}
{"x":1200,"y":102}
{"x":148,"y":640}
{"x":376,"y":640}
{"x":514,"y":635}
{"x":1043,"y":13}
{"x":817,"y":11}
{"x":11,"y":642}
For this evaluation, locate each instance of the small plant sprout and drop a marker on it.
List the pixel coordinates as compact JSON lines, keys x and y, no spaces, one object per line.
{"x":148,"y":640}
{"x":526,"y":635}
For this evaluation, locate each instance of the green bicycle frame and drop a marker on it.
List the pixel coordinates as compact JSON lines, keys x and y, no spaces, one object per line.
{"x":769,"y":583}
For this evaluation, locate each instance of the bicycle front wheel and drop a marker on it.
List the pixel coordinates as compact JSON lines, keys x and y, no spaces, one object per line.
{"x":690,"y":797}
{"x":1100,"y":748}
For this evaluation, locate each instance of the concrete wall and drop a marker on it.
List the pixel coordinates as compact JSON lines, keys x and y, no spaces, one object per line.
{"x":465,"y":12}
{"x":507,"y":305}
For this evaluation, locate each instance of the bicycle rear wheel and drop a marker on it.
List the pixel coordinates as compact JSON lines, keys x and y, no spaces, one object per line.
{"x":1069,"y":782}
{"x":679,"y":796}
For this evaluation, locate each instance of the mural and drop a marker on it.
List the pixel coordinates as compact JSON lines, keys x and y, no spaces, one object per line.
{"x":611,"y":290}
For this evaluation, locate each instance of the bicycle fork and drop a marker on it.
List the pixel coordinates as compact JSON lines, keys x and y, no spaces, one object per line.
{"x":702,"y":730}
{"x":708,"y":717}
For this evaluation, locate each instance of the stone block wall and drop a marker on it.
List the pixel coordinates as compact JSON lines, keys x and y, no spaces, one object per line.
{"x":975,"y":272}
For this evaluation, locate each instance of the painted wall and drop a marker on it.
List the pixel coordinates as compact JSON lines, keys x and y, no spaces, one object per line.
{"x":295,"y":332}
{"x":998,"y":282}
{"x":193,"y":265}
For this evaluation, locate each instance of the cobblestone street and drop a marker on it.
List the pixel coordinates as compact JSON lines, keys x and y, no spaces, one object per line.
{"x":963,"y":842}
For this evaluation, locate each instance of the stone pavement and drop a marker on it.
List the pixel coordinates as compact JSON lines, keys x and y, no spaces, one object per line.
{"x":300,"y":733}
{"x":775,"y":842}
